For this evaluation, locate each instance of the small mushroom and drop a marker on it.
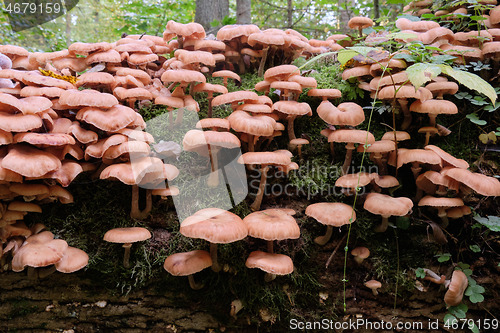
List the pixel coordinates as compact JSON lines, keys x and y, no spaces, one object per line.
{"x":188,"y":263}
{"x":360,"y":253}
{"x":373,"y":285}
{"x":127,"y":236}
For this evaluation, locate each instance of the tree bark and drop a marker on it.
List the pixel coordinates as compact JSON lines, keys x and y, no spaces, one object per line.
{"x":68,"y":28}
{"x":209,"y":10}
{"x":289,"y":14}
{"x":243,"y":11}
{"x":345,"y":14}
{"x":376,"y":9}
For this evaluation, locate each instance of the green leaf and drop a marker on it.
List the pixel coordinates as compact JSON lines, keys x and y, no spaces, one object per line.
{"x":441,"y":59}
{"x":476,"y":298}
{"x":474,"y":328}
{"x":458,"y":311}
{"x":444,"y":257}
{"x":475,"y":289}
{"x":421,"y":73}
{"x":491,"y":222}
{"x":420,"y":273}
{"x":473,"y":118}
{"x":402,"y":35}
{"x":405,"y":57}
{"x":316,"y":58}
{"x":449,"y":319}
{"x":475,"y":248}
{"x":471,"y":81}
{"x":350,"y":52}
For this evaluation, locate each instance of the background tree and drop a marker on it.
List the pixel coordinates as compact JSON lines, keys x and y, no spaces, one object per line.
{"x":243,"y":11}
{"x":208,"y":11}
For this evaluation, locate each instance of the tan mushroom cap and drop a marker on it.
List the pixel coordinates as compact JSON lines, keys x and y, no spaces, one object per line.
{"x":331,"y":213}
{"x":29,"y":190}
{"x":39,"y":251}
{"x":440,"y":202}
{"x":264,"y":158}
{"x":136,"y":135}
{"x":86,"y":48}
{"x":417,"y":155}
{"x":27,"y":105}
{"x":361,"y":252}
{"x":87,"y":97}
{"x":45,"y":139}
{"x":255,"y":108}
{"x":19,"y":122}
{"x":235,"y":97}
{"x":20,"y":206}
{"x":360,"y":22}
{"x":214,"y":225}
{"x":373,"y":284}
{"x":382,"y":146}
{"x":127,"y":235}
{"x":229,"y":32}
{"x":228,"y":74}
{"x":187,"y":263}
{"x":259,"y":125}
{"x":50,"y":92}
{"x":183,"y":76}
{"x":285,"y":85}
{"x":304,"y":81}
{"x":29,"y":161}
{"x":441,"y":88}
{"x":351,"y":136}
{"x":281,"y":72}
{"x":328,"y":93}
{"x":458,"y":212}
{"x":109,"y":56}
{"x":346,"y":114}
{"x":272,"y":224}
{"x":447,"y":158}
{"x":292,"y":108}
{"x":404,"y":92}
{"x":111,"y":120}
{"x":456,"y":289}
{"x":194,"y":140}
{"x":192,"y":30}
{"x":214,"y":123}
{"x":73,"y":260}
{"x":434,"y":106}
{"x":400,"y":136}
{"x":439,"y":179}
{"x":208,"y":87}
{"x":357,"y":72}
{"x":353,"y":180}
{"x":386,"y":181}
{"x":385,"y":205}
{"x":299,"y":141}
{"x":273,"y":263}
{"x":482,"y":184}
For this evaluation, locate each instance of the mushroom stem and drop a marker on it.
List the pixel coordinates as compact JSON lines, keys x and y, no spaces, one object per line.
{"x":444,"y":217}
{"x":193,"y":284}
{"x":270,"y":246}
{"x":213,"y":178}
{"x":432,"y":120}
{"x":374,"y":291}
{"x":406,"y":114}
{"x":135,"y":212}
{"x":216,"y":267}
{"x":332,"y":151}
{"x":43,"y":273}
{"x":263,"y":61}
{"x":210,"y":98}
{"x":126,"y":255}
{"x":299,"y":149}
{"x":225,"y":81}
{"x":348,"y":158}
{"x":383,"y":226}
{"x":251,"y":143}
{"x":260,"y":193}
{"x":291,"y":132}
{"x":269,"y":277}
{"x":241,"y":65}
{"x":433,"y":277}
{"x":322,"y":240}
{"x":32,"y":273}
{"x":382,"y":168}
{"x":180,"y":115}
{"x":427,"y":138}
{"x":415,"y":168}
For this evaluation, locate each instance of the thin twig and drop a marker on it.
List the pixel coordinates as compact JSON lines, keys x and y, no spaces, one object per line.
{"x":335,"y":251}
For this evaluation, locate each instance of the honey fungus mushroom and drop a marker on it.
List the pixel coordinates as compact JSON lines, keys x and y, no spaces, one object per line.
{"x":387,"y":206}
{"x":127,"y":236}
{"x":188,"y":263}
{"x":215,"y":225}
{"x":334,"y":214}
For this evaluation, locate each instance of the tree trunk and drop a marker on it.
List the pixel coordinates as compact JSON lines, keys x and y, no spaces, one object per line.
{"x":376,"y":9}
{"x":68,"y":28}
{"x":243,"y":11}
{"x":289,"y":14}
{"x":209,"y":10}
{"x":345,"y":14}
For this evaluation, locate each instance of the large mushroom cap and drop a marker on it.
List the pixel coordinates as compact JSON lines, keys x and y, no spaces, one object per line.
{"x":40,"y":251}
{"x":73,"y":260}
{"x":214,"y":225}
{"x":447,"y":158}
{"x":385,"y":205}
{"x":334,"y":214}
{"x":127,"y":235}
{"x":272,"y":224}
{"x":480,"y":183}
{"x":29,"y":161}
{"x":264,"y":158}
{"x":272,"y":263}
{"x":440,"y":202}
{"x":346,"y":114}
{"x":456,"y":289}
{"x":187,"y":263}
